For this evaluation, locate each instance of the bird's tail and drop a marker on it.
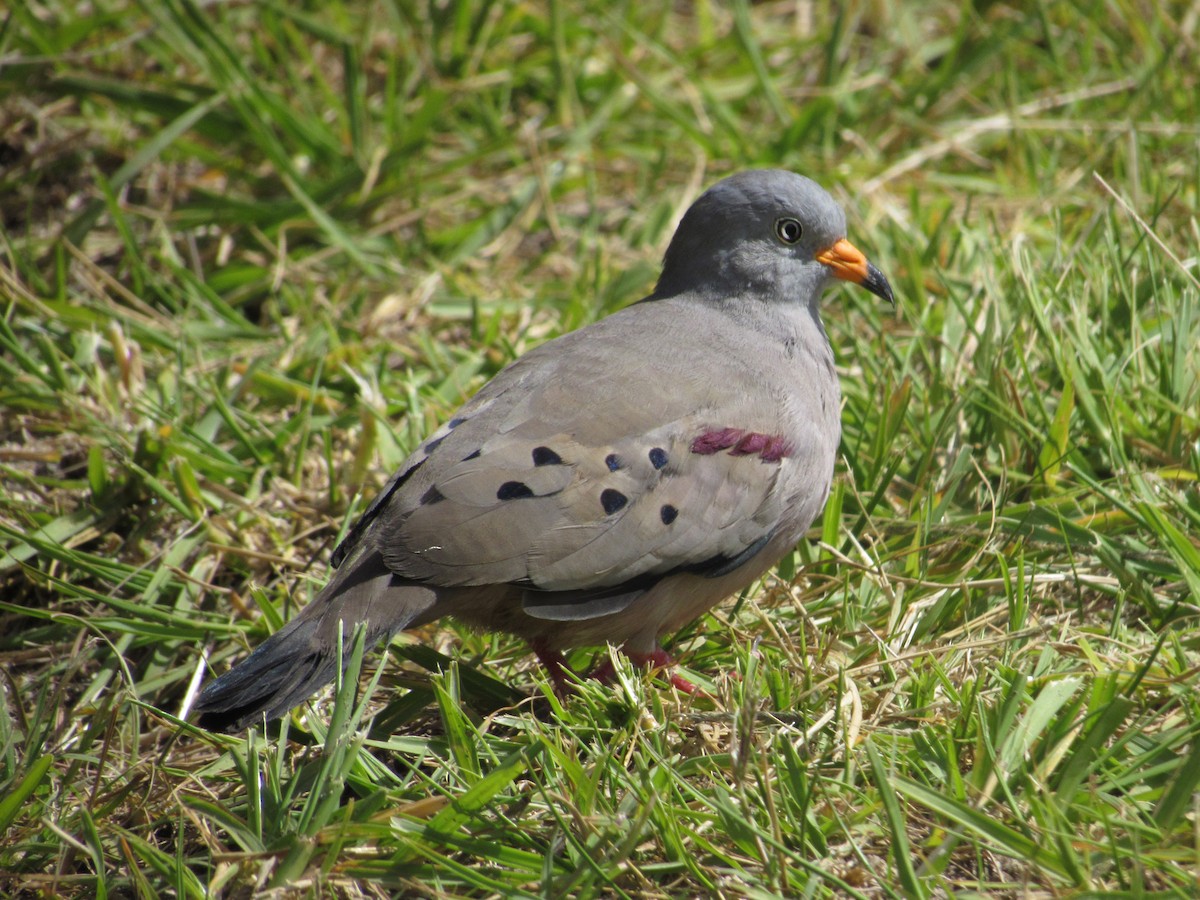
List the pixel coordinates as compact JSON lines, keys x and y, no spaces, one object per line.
{"x":301,"y":657}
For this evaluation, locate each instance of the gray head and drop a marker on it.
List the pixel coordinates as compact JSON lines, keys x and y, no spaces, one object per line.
{"x":766,"y":231}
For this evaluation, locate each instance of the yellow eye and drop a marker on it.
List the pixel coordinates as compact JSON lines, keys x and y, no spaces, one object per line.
{"x":788,"y":230}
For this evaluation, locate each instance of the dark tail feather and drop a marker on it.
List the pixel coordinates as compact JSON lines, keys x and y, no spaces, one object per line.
{"x":301,"y":657}
{"x":285,"y":669}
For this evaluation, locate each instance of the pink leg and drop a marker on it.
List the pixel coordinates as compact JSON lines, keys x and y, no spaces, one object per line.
{"x":556,"y":667}
{"x":659,"y":659}
{"x":604,"y":673}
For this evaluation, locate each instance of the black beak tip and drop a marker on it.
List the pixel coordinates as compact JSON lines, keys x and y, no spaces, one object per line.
{"x":876,"y":282}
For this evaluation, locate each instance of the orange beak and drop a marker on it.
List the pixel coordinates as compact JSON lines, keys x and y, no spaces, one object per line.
{"x":848,"y":264}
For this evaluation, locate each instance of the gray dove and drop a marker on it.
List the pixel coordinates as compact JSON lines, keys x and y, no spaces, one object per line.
{"x":617,"y":482}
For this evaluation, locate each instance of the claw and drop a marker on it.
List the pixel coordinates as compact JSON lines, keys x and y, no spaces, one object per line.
{"x":564,"y":678}
{"x":659,"y":659}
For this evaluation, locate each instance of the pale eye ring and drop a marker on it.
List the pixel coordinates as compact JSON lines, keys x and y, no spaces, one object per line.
{"x":788,"y":230}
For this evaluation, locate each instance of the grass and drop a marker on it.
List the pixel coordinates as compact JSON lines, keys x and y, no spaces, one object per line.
{"x":251,"y":253}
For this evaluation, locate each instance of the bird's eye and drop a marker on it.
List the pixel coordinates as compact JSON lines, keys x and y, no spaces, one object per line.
{"x":788,"y":230}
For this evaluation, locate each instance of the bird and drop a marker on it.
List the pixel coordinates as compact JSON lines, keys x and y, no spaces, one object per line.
{"x":614,"y":483}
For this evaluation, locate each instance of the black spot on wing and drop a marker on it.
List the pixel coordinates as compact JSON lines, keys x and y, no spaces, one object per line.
{"x":431,"y":496}
{"x":342,"y":550}
{"x":668,"y":513}
{"x":658,"y":457}
{"x":473,"y":455}
{"x":612,"y":501}
{"x":514,"y":490}
{"x":455,"y":422}
{"x":544,"y":456}
{"x":434,"y":444}
{"x":613,"y":462}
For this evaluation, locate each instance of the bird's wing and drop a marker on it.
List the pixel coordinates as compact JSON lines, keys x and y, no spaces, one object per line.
{"x":568,"y":475}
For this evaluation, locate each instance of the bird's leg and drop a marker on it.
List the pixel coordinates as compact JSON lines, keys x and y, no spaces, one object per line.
{"x":604,"y":673}
{"x":556,"y":667}
{"x":658,"y":659}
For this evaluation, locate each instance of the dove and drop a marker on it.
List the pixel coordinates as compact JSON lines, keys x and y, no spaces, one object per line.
{"x":617,"y":482}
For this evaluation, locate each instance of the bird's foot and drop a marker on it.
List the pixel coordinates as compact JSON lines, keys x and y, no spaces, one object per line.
{"x":564,"y":677}
{"x":659,"y":659}
{"x":556,"y":667}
